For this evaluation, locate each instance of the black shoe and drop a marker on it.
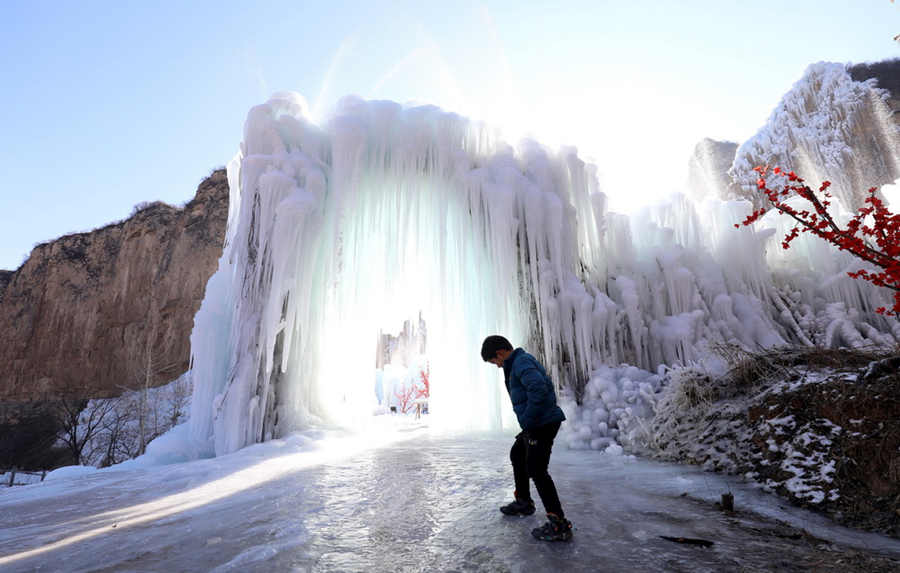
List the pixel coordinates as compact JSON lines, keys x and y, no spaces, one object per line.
{"x":556,"y":529}
{"x":518,"y":507}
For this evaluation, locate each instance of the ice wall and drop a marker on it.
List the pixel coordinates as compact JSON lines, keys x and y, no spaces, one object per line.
{"x":338,"y":232}
{"x":386,"y":213}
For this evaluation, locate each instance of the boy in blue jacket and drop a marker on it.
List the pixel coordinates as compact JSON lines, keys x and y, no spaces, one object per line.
{"x":534,"y":402}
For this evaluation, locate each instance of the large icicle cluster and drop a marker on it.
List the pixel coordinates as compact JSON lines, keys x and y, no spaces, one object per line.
{"x":338,"y":233}
{"x":388,"y":214}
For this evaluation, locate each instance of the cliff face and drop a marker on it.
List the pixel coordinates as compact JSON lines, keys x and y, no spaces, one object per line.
{"x":89,"y":314}
{"x":5,"y":277}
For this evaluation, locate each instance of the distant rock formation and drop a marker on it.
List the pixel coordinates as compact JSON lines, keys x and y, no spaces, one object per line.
{"x":837,"y":123}
{"x":708,"y":170}
{"x":887,"y":76}
{"x":89,"y":314}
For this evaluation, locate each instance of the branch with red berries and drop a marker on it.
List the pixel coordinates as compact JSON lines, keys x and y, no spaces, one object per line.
{"x":425,"y":390}
{"x":405,"y":396}
{"x":878,"y":244}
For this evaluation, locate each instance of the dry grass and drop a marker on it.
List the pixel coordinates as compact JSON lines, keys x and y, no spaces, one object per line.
{"x":692,"y":389}
{"x":750,"y":369}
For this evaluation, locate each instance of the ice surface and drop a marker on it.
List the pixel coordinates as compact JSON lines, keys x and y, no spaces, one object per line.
{"x":409,"y":502}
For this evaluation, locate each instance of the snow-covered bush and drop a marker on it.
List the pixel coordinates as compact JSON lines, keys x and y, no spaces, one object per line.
{"x":617,"y":403}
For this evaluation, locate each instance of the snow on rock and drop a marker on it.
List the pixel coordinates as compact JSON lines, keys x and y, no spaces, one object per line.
{"x":828,"y":126}
{"x":891,"y":194}
{"x":69,"y":472}
{"x":806,"y":458}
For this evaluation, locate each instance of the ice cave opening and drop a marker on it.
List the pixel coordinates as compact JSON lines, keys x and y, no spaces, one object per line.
{"x":402,"y":369}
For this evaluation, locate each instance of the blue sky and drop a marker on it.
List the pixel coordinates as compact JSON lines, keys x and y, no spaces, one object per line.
{"x":108,"y":104}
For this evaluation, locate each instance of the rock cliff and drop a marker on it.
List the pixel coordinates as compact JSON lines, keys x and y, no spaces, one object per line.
{"x":708,"y":170}
{"x":887,"y":77}
{"x":89,"y":314}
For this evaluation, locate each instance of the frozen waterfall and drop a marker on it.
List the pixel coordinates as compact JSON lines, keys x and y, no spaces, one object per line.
{"x":387,"y":214}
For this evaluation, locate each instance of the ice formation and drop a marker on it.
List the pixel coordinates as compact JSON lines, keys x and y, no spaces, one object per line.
{"x":386,"y":214}
{"x":828,"y":126}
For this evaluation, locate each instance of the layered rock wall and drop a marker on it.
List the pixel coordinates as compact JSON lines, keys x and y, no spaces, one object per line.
{"x":90,"y":314}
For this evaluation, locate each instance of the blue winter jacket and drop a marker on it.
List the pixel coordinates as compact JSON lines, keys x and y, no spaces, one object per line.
{"x":531,"y":391}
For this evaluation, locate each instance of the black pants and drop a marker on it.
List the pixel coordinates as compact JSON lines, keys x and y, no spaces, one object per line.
{"x":530,"y":456}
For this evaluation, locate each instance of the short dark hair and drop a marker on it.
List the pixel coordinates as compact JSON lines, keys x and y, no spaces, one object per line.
{"x":492,"y":344}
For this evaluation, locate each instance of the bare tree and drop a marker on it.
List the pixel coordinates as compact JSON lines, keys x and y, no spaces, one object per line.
{"x":181,"y":391}
{"x":79,"y":423}
{"x":113,"y":433}
{"x":150,"y":369}
{"x":107,"y":431}
{"x":150,"y":424}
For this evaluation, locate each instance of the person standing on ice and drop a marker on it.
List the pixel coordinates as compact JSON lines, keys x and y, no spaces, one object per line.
{"x":534,"y":402}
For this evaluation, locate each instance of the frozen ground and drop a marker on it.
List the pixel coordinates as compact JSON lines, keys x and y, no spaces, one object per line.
{"x":408,"y":500}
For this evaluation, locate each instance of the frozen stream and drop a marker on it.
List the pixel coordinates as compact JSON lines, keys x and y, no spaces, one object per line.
{"x":410,"y":502}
